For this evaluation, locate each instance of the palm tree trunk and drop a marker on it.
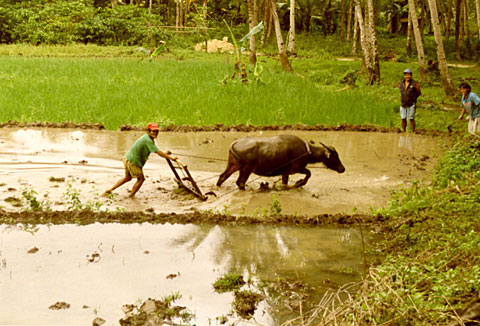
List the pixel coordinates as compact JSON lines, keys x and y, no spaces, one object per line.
{"x":449,"y":20}
{"x":477,"y":6}
{"x":342,"y":20}
{"x":418,"y":39}
{"x":278,"y":32}
{"x":364,"y":43}
{"x":349,"y":19}
{"x":356,"y":30}
{"x":372,"y":40}
{"x":458,"y":27}
{"x":466,"y":29}
{"x":252,"y":22}
{"x":442,"y":60}
{"x":409,"y":35}
{"x":291,"y":35}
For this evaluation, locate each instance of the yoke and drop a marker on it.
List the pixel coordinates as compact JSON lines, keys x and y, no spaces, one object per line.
{"x":186,"y":182}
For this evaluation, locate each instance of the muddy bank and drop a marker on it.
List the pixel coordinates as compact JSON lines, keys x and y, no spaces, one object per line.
{"x":89,"y":217}
{"x":221,"y":127}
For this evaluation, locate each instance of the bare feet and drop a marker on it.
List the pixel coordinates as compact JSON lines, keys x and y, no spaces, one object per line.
{"x":106,"y":193}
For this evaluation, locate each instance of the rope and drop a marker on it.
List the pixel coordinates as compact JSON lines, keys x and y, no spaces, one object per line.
{"x":252,"y":180}
{"x":202,"y":157}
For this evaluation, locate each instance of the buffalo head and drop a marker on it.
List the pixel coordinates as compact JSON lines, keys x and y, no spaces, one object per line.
{"x":328,"y":156}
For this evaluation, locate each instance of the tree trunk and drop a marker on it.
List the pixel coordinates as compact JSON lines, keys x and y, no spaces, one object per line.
{"x":418,"y":39}
{"x":342,"y":20}
{"x":372,"y":40}
{"x":423,"y":18}
{"x":365,"y":43}
{"x":458,"y":27}
{"x":252,"y":22}
{"x":177,"y":14}
{"x":308,"y":17}
{"x":267,"y":20}
{"x":466,"y":29}
{"x":477,"y":6}
{"x":409,"y":35}
{"x":281,"y":46}
{"x":291,"y":34}
{"x":449,"y":20}
{"x":349,"y":19}
{"x":356,"y":36}
{"x":442,"y":60}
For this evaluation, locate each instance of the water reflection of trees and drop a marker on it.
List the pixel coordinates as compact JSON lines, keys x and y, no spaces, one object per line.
{"x":313,"y":256}
{"x":267,"y":252}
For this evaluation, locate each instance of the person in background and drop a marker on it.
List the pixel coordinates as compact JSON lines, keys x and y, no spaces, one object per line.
{"x":410,"y":91}
{"x":470,"y":103}
{"x":137,"y":156}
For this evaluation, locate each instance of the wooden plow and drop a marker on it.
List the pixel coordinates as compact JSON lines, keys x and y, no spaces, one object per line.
{"x":186,"y":181}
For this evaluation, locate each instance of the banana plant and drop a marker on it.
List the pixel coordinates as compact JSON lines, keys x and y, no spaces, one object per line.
{"x":239,"y":68}
{"x":153,"y":52}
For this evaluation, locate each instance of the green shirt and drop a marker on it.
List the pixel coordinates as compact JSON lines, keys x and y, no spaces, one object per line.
{"x":140,"y":150}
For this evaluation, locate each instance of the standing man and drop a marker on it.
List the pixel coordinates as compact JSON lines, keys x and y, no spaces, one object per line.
{"x":136,"y":157}
{"x":470,"y":103}
{"x":410,"y":91}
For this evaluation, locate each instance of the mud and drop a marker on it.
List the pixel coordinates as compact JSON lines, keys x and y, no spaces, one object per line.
{"x":66,"y":170}
{"x":221,"y":127}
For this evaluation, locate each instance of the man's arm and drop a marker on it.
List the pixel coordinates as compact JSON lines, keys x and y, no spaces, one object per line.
{"x":166,"y":155}
{"x":417,"y":86}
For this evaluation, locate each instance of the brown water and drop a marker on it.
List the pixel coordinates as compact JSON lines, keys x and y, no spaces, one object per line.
{"x":134,"y":260}
{"x":90,"y":161}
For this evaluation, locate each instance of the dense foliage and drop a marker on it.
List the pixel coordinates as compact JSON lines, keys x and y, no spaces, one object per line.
{"x":134,"y":22}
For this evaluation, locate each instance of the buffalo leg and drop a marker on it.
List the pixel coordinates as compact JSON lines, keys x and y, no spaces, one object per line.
{"x":243,"y":177}
{"x":303,"y":181}
{"x":232,"y":167}
{"x":285,"y":179}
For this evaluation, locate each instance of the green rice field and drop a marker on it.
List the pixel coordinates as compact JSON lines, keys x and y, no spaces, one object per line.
{"x":116,"y":91}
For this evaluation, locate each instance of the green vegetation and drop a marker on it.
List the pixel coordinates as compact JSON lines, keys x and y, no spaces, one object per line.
{"x":184,"y":88}
{"x":431,"y":269}
{"x":228,"y":282}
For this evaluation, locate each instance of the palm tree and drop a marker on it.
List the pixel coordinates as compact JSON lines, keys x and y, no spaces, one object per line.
{"x":418,"y":39}
{"x":252,"y":22}
{"x":291,"y":34}
{"x":442,"y":60}
{"x":477,"y":5}
{"x":368,"y":41}
{"x":278,"y":32}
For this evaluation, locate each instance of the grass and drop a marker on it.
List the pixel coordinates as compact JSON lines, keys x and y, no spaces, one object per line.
{"x":128,"y":91}
{"x":431,"y":265}
{"x":117,"y":85}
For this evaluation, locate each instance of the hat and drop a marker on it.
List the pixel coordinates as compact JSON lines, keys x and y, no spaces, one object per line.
{"x":407,"y":71}
{"x":153,"y":126}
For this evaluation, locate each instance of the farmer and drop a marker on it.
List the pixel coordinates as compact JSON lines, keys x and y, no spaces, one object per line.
{"x":136,"y":157}
{"x":410,"y":91}
{"x":470,"y":102}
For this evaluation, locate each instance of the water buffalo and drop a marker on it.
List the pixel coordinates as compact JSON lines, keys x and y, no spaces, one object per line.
{"x":280,"y":155}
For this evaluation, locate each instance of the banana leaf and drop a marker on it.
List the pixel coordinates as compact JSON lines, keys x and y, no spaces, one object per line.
{"x":253,"y":31}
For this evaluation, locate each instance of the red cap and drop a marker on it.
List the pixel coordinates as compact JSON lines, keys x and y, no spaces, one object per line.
{"x":153,"y":126}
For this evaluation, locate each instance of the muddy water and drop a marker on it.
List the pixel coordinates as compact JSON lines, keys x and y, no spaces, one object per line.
{"x":90,"y":162}
{"x":100,"y":267}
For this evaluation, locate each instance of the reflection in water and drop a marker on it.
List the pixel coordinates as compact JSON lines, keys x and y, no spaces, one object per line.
{"x":134,"y":260}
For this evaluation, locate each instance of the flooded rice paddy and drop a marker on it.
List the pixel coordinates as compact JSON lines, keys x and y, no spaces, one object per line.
{"x":96,"y":269}
{"x":56,"y":162}
{"x":92,"y":271}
